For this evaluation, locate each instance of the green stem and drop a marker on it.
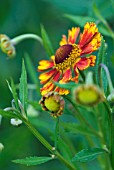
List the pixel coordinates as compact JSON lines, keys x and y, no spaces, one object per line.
{"x":108,"y":76}
{"x":56,"y":132}
{"x":105,"y":163}
{"x":20,"y":38}
{"x":111,"y":124}
{"x":112,"y":143}
{"x":47,"y":145}
{"x":81,"y":118}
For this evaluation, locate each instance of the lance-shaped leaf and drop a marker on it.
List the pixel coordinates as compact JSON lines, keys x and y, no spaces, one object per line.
{"x":75,"y":128}
{"x":100,"y":56}
{"x":76,"y":19}
{"x":14,"y":93}
{"x":23,"y":91}
{"x":86,"y":155}
{"x":46,"y":41}
{"x":8,"y":114}
{"x":32,"y":160}
{"x":32,"y":72}
{"x":67,"y":85}
{"x":102,"y":19}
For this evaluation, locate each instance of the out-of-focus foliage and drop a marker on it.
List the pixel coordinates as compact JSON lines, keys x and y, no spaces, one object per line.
{"x":25,"y":16}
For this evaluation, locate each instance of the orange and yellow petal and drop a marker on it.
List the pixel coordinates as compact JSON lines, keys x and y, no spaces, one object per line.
{"x":90,"y":37}
{"x":83,"y":63}
{"x":44,"y":77}
{"x":92,"y":59}
{"x":48,"y":87}
{"x":56,"y":77}
{"x":76,"y":72}
{"x":66,"y":76}
{"x":73,"y":34}
{"x":45,"y":64}
{"x":96,"y":41}
{"x":61,"y":91}
{"x":64,"y":40}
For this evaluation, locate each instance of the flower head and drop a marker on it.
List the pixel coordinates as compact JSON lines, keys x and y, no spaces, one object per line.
{"x":6,"y":45}
{"x":69,"y":58}
{"x":88,"y":95}
{"x":53,"y":103}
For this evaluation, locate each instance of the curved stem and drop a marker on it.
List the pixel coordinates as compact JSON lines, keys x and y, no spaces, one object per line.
{"x":108,"y":76}
{"x":111,"y":124}
{"x":82,"y":119}
{"x":20,"y":38}
{"x":47,"y":145}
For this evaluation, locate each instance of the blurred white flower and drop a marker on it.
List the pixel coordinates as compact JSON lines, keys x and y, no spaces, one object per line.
{"x":1,"y":147}
{"x":31,"y":111}
{"x":15,"y":122}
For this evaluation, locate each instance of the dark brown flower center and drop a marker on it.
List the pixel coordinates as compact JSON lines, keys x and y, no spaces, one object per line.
{"x":66,"y":56}
{"x":62,"y":53}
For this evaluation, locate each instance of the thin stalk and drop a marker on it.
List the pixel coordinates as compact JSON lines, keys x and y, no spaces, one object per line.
{"x":104,"y":161}
{"x":108,"y":76}
{"x":111,"y":124}
{"x":20,"y":38}
{"x":47,"y":145}
{"x":81,"y":118}
{"x":56,"y":132}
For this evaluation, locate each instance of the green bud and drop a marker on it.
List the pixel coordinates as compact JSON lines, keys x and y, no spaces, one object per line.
{"x":7,"y":46}
{"x":53,"y":103}
{"x":88,"y":95}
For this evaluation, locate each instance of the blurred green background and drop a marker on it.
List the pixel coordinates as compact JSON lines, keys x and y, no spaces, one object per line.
{"x":25,"y":16}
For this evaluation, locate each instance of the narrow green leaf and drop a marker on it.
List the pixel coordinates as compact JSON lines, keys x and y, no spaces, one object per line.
{"x":103,"y":30}
{"x":8,"y":114}
{"x":67,"y":85}
{"x":101,"y":55}
{"x":33,"y":160}
{"x":75,"y":128}
{"x":23,"y":91}
{"x":14,"y":93}
{"x":32,"y":72}
{"x":80,"y":20}
{"x":100,"y":17}
{"x":104,"y":76}
{"x":88,"y":154}
{"x":46,"y":41}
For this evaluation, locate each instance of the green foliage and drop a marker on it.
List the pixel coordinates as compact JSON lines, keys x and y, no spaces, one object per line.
{"x":75,"y":128}
{"x":32,"y":72}
{"x":14,"y":93}
{"x":46,"y":42}
{"x":92,"y":127}
{"x":88,"y":154}
{"x":8,"y":114}
{"x":67,"y":85}
{"x":32,"y":160}
{"x":77,"y":19}
{"x":101,"y":58}
{"x":100,"y":17}
{"x":23,"y":91}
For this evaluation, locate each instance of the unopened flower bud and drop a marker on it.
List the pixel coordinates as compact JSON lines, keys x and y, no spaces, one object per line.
{"x":53,"y":103}
{"x":15,"y":122}
{"x":88,"y":95}
{"x":1,"y":147}
{"x":7,"y":46}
